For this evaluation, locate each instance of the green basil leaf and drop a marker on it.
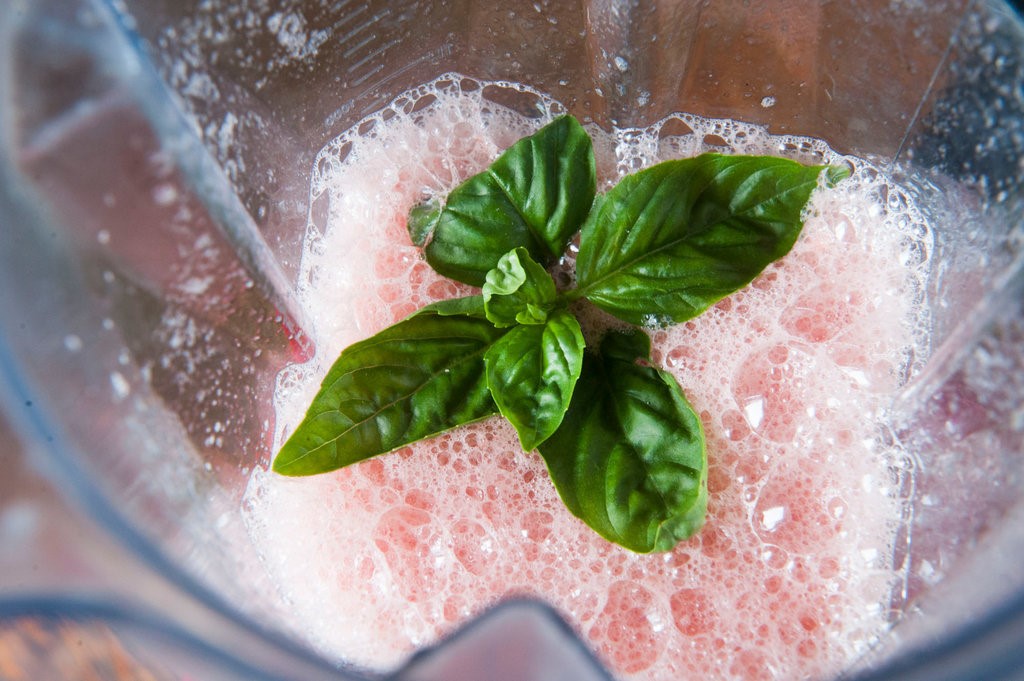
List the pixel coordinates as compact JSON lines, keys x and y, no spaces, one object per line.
{"x":536,"y":195}
{"x":417,"y":378}
{"x":423,"y":218}
{"x":518,"y":290}
{"x":670,"y":241}
{"x":472,"y":306}
{"x":531,"y":372}
{"x":629,"y":457}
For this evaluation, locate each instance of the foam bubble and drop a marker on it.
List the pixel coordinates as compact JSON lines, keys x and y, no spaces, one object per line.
{"x":790,"y":578}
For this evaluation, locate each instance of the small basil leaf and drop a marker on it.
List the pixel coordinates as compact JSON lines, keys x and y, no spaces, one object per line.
{"x":669,"y":241}
{"x":422,"y":220}
{"x":629,"y":457}
{"x":472,"y":306}
{"x":417,"y":378}
{"x":836,"y":174}
{"x":536,"y":195}
{"x":518,"y":290}
{"x":531,"y":372}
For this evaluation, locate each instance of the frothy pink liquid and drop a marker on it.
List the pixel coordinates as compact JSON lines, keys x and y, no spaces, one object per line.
{"x":792,"y":575}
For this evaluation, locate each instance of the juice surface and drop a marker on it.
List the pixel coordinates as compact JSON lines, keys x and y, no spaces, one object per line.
{"x":792,"y":575}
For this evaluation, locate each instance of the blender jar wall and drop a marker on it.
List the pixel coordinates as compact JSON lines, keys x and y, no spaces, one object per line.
{"x":140,"y":305}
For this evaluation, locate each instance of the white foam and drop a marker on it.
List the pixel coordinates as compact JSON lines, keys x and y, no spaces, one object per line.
{"x":792,"y":575}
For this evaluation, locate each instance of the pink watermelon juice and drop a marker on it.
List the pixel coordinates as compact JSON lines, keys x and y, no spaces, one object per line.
{"x":791,"y":577}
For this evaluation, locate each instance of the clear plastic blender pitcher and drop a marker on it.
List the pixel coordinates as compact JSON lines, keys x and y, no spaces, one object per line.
{"x":156,"y":162}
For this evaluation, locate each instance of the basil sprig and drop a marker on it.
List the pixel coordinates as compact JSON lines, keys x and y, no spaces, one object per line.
{"x":625,"y":449}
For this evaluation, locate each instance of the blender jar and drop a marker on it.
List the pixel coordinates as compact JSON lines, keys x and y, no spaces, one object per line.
{"x":155,"y":193}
